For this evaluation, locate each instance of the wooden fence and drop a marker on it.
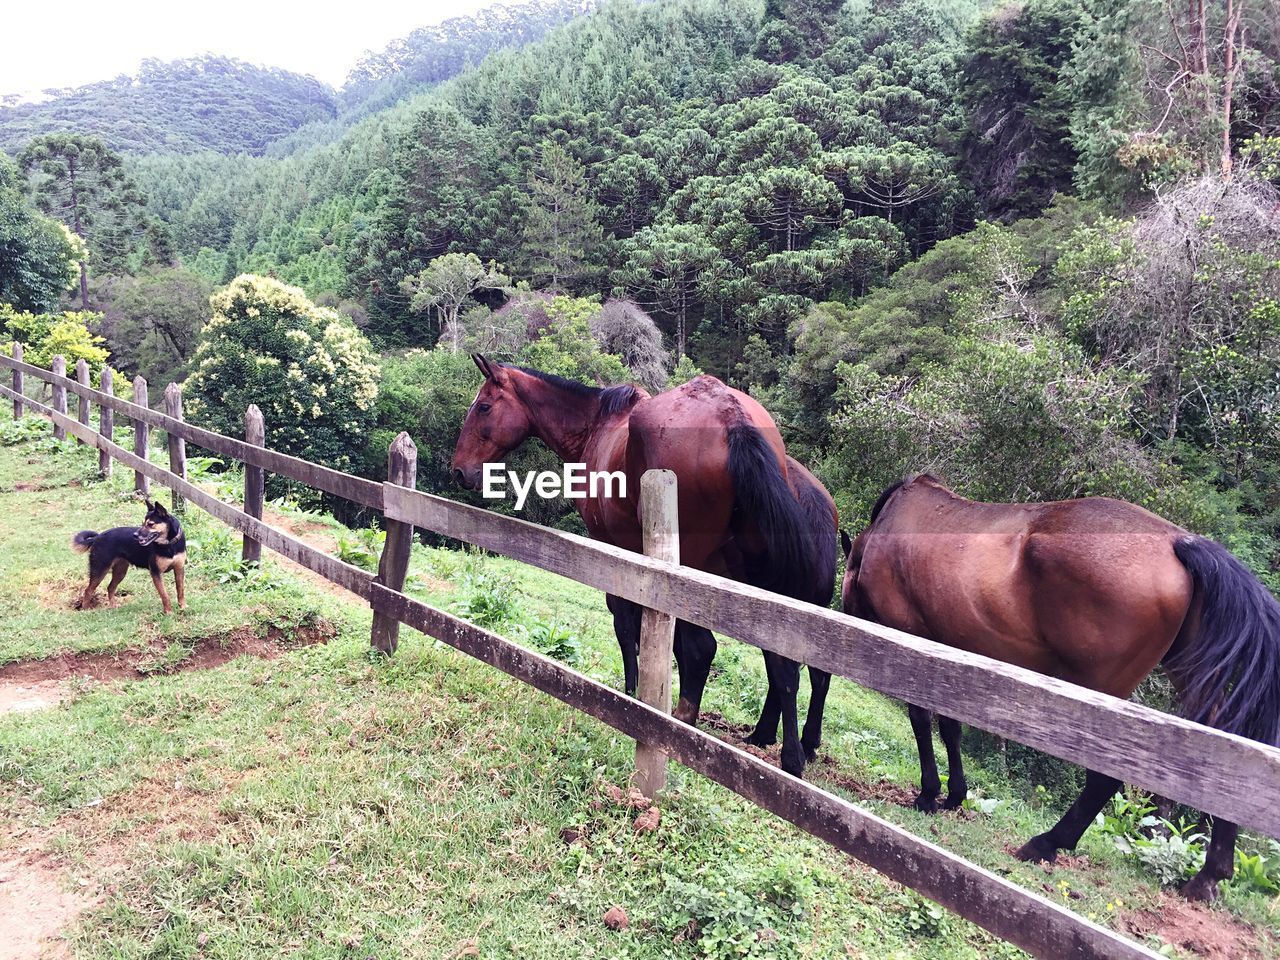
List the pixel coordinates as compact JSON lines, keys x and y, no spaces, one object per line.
{"x":1218,"y":773}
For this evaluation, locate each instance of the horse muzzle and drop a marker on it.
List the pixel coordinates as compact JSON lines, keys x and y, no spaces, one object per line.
{"x":467,"y":479}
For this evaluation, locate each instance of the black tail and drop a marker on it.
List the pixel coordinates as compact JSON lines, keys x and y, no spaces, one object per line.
{"x":1230,"y":669}
{"x":823,"y":534}
{"x":83,"y":540}
{"x":762,"y":495}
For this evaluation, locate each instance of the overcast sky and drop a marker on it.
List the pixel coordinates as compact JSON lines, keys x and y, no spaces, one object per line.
{"x":70,"y":42}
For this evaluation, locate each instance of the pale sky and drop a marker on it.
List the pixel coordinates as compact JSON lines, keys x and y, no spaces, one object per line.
{"x":71,"y":42}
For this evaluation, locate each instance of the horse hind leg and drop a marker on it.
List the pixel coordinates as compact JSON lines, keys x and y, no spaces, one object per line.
{"x":1219,"y":863}
{"x":1066,"y":833}
{"x":784,"y":679}
{"x":957,"y":785}
{"x":766,"y":732}
{"x":695,"y":648}
{"x":626,"y":626}
{"x":819,"y":684}
{"x":930,"y":783}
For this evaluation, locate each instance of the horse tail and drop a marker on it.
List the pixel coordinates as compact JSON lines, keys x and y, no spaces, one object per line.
{"x":1230,"y":668}
{"x":762,"y":494}
{"x":822,"y":525}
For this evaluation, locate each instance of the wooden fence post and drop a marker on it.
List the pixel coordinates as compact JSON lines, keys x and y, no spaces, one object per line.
{"x":17,"y":383}
{"x":255,"y":432}
{"x":177,"y":446}
{"x":59,"y":396}
{"x":141,"y":432}
{"x":82,"y":402}
{"x":402,"y":470}
{"x":661,"y":538}
{"x":106,"y":423}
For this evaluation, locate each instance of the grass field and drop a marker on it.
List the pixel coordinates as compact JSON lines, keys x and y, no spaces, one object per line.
{"x":308,"y":799}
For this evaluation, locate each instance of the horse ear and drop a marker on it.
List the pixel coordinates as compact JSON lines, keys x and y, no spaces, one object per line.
{"x":479,"y":360}
{"x":845,"y":542}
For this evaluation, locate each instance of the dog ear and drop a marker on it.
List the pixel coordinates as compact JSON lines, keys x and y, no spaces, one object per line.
{"x":158,"y":507}
{"x":845,"y":542}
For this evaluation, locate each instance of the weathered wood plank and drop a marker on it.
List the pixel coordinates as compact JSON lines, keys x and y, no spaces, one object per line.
{"x":1043,"y":928}
{"x":1212,"y":771}
{"x":141,"y":435}
{"x":393,"y":565}
{"x":344,"y":575}
{"x":106,"y":423}
{"x":355,"y":489}
{"x":255,"y":434}
{"x":659,"y":523}
{"x":59,"y":395}
{"x":17,"y":382}
{"x":177,"y":446}
{"x":82,"y":378}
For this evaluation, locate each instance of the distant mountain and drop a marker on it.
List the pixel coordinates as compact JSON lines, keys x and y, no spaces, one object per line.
{"x":204,"y":103}
{"x":228,"y":106}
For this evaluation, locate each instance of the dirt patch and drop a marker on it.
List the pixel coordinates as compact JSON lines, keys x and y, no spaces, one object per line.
{"x":886,"y":791}
{"x":35,"y":907}
{"x":1195,"y":928}
{"x":32,"y":684}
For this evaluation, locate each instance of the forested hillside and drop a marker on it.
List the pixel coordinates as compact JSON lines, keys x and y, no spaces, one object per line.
{"x":1028,"y":246}
{"x":205,"y":103}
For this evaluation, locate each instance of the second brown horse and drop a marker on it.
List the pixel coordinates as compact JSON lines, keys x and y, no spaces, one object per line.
{"x":1093,"y":591}
{"x":746,"y":510}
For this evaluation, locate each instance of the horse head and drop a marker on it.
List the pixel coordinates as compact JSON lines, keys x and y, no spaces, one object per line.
{"x":496,"y":423}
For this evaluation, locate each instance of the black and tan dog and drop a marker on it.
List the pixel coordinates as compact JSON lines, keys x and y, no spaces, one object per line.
{"x":158,"y":546}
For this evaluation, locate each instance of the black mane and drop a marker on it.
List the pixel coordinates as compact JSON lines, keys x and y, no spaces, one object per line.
{"x":612,"y":399}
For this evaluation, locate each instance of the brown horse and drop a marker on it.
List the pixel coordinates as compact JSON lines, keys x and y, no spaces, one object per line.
{"x":1093,"y":591}
{"x":746,"y":510}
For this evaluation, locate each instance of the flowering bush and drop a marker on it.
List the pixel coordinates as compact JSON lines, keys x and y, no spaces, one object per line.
{"x":309,"y":370}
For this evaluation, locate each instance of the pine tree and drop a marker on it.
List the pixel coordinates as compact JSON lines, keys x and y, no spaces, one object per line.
{"x":562,"y":225}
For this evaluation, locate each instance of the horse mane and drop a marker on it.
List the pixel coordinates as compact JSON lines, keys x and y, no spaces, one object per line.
{"x":613,"y":400}
{"x":893,"y":488}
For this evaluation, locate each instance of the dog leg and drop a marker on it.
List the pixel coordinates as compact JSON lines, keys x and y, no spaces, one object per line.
{"x":164,"y":595}
{"x":86,"y":599}
{"x":118,"y":570}
{"x":180,"y":580}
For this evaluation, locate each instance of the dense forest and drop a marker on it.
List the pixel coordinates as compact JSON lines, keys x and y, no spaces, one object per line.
{"x":1028,"y":246}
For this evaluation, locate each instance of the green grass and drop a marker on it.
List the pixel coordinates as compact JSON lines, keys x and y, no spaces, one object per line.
{"x":332,"y":804}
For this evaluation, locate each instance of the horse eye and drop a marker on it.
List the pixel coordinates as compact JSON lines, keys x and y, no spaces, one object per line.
{"x":484,"y":407}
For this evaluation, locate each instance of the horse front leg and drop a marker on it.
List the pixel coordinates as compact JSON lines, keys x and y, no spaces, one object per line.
{"x":626,"y":626}
{"x":1219,"y":863}
{"x":930,"y":782}
{"x":695,"y":648}
{"x":1066,"y":833}
{"x":957,"y":785}
{"x":819,"y":684}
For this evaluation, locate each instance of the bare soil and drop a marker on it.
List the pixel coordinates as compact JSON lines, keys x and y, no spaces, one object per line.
{"x":34,"y":684}
{"x":1196,"y":929}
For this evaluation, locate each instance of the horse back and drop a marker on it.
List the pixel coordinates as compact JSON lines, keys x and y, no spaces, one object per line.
{"x":1088,"y":590}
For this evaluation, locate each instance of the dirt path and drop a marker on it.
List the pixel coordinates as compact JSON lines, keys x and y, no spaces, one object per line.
{"x":36,"y":906}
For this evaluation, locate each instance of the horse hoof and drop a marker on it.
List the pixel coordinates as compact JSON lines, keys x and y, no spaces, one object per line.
{"x":686,"y":712}
{"x":758,"y":739}
{"x":954,"y":801}
{"x":926,"y":804}
{"x":1201,"y":890}
{"x":810,"y":752}
{"x":1036,"y":851}
{"x":793,"y":766}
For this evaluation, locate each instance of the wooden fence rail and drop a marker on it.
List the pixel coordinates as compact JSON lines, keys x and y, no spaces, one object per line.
{"x":1216,"y":772}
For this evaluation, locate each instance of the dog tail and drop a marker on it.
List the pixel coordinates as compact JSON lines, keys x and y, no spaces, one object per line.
{"x":83,"y":540}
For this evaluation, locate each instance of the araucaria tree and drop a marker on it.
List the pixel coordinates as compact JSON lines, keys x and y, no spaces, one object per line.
{"x":38,"y":256}
{"x":83,"y":183}
{"x":309,"y":370}
{"x":562,"y":226}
